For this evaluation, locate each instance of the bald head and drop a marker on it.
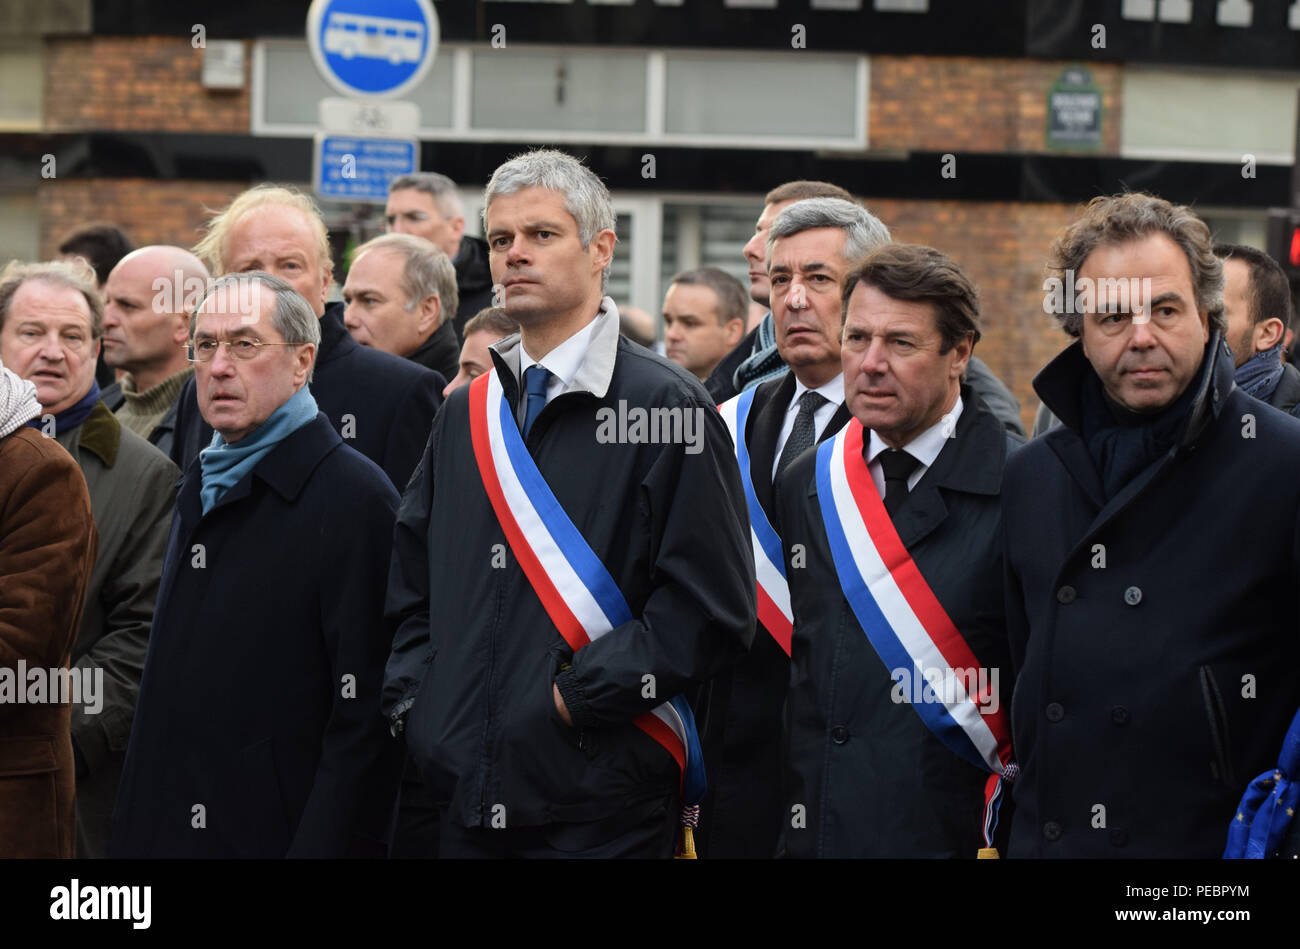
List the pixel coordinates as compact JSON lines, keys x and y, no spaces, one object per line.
{"x":148,"y":297}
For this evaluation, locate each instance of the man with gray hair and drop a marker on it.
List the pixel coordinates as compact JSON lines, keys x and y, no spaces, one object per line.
{"x":51,"y":324}
{"x":812,"y":245}
{"x":382,"y":405}
{"x":1152,"y":548}
{"x":538,"y":669}
{"x":258,"y":732}
{"x":399,"y":297}
{"x":427,"y":205}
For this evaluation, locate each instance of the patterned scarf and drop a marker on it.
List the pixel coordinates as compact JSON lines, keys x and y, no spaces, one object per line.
{"x":765,"y":362}
{"x":18,"y":402}
{"x":1258,"y":375}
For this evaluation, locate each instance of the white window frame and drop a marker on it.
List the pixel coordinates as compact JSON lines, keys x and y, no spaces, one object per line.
{"x":656,"y":105}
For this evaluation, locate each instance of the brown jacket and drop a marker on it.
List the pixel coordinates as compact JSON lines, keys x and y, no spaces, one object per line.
{"x":47,"y":549}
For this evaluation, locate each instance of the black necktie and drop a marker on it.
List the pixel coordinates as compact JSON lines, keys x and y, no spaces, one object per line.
{"x":804,"y":432}
{"x":898,"y":466}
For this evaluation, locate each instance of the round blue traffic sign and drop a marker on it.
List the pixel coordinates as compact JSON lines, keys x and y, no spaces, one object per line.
{"x":372,"y":47}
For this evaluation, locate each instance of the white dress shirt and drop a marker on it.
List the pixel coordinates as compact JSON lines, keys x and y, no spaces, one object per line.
{"x":924,"y":448}
{"x":832,"y":392}
{"x":562,"y":362}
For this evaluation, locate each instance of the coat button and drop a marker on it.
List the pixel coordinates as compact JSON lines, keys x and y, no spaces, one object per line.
{"x":1066,"y":594}
{"x":1052,"y":830}
{"x":1055,"y":712}
{"x":1119,"y":715}
{"x":1118,"y":838}
{"x":1133,"y":596}
{"x":839,"y":734}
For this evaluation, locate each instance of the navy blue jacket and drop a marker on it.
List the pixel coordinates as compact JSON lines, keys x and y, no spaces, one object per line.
{"x":260,"y":696}
{"x":476,"y":652}
{"x":1154,"y":633}
{"x":866,"y":778}
{"x":381,"y":404}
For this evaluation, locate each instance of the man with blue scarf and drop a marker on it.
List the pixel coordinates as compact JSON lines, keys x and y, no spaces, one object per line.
{"x":1257,"y":305}
{"x":257,"y":732}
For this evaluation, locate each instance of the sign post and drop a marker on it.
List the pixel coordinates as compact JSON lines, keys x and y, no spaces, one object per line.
{"x":371,"y":51}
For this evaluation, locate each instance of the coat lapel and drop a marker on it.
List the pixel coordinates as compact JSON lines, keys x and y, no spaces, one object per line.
{"x":771,"y":400}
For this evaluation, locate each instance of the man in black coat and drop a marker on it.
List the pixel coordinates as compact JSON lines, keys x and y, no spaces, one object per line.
{"x":380,"y":404}
{"x":1257,"y":308}
{"x":530,"y":740}
{"x":257,"y":732}
{"x":867,"y":774}
{"x":399,"y":297}
{"x":814,"y":244}
{"x":1152,"y":552}
{"x":426,"y":204}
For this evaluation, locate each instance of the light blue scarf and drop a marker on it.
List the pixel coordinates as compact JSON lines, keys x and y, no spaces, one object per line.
{"x":222,"y":465}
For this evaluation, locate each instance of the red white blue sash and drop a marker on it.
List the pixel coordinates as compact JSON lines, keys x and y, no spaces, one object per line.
{"x":773,"y":591}
{"x":901,"y":616}
{"x":576,"y":590}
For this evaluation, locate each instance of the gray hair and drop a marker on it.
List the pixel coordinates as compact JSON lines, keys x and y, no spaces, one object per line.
{"x":439,"y":187}
{"x":426,"y":271}
{"x":585,"y":196}
{"x":291,"y":316}
{"x":863,"y":231}
{"x":75,"y":274}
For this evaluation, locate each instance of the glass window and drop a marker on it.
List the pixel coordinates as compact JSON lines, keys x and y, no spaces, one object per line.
{"x":20,"y":236}
{"x":773,"y":95}
{"x":1195,"y":114}
{"x":21,"y":81}
{"x":569,"y":90}
{"x":293,"y":87}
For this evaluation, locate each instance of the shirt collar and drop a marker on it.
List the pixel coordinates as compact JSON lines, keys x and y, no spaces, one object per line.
{"x":925,"y":447}
{"x":562,"y":361}
{"x":597,"y":352}
{"x":832,"y":392}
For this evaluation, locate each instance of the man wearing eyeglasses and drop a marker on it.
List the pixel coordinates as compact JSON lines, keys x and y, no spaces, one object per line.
{"x":258,"y":732}
{"x":51,"y":327}
{"x":426,"y":205}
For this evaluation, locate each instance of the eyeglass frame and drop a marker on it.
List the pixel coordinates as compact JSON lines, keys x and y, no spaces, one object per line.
{"x":192,"y":350}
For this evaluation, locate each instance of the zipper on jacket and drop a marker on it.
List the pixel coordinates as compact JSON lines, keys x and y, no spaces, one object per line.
{"x":1217,"y":713}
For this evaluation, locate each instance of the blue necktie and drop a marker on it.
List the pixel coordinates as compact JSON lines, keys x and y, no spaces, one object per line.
{"x":536,"y":378}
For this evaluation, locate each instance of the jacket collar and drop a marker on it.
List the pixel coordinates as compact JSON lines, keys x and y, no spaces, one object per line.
{"x":595,"y":373}
{"x":285,"y":469}
{"x":101,"y":434}
{"x":335,"y":341}
{"x":971,"y":462}
{"x":427,"y":352}
{"x":1060,"y":383}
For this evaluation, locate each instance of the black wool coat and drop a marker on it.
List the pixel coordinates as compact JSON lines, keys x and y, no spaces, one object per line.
{"x":741,"y":711}
{"x":382,"y":405}
{"x":260,"y":696}
{"x":1154,"y":633}
{"x":477,"y":654}
{"x":865,"y":776}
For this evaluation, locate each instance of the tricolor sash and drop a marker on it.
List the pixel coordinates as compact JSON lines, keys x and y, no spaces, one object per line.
{"x":773,"y":591}
{"x":901,"y":616}
{"x":576,"y":590}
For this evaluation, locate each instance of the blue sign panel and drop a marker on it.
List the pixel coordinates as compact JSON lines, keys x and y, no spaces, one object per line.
{"x":372,"y":47}
{"x":347,"y":168}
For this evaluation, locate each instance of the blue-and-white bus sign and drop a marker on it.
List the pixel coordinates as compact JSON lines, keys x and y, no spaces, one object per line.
{"x":372,"y":47}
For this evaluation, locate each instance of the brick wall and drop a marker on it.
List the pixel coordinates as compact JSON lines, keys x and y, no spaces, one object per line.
{"x":151,"y":83}
{"x":151,"y":212}
{"x":961,"y":103}
{"x":1003,"y":248}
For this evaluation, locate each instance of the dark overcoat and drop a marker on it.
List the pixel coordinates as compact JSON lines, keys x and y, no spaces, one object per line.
{"x":260,"y":697}
{"x":866,"y":777}
{"x":1154,"y":633}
